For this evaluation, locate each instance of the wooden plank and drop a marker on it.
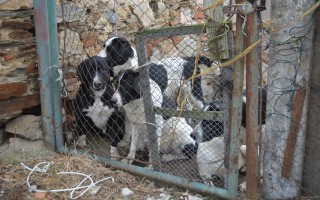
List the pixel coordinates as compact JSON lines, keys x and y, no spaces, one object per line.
{"x":19,"y":103}
{"x":216,"y":31}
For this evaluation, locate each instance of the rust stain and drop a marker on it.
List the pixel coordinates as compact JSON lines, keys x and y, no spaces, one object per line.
{"x":40,"y":21}
{"x":293,"y":131}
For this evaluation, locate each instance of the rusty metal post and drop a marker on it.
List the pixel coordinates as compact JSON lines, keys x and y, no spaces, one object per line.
{"x":45,"y":73}
{"x":236,"y":108}
{"x":252,"y":87}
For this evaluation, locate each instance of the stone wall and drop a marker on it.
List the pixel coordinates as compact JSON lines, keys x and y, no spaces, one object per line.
{"x":89,"y":23}
{"x":18,"y":70}
{"x":83,"y":27}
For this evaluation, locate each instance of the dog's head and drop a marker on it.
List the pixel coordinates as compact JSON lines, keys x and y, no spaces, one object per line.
{"x":127,"y":87}
{"x":94,"y":74}
{"x":121,"y":55}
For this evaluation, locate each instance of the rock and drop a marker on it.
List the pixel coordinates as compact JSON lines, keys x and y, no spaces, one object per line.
{"x":7,"y":116}
{"x":187,"y":46}
{"x":12,"y":89}
{"x":71,"y":11}
{"x":13,"y":107}
{"x":89,"y":38}
{"x":167,"y":48}
{"x":73,"y":44}
{"x":163,"y":11}
{"x":144,"y":13}
{"x":126,"y":192}
{"x":15,"y":4}
{"x":186,"y":16}
{"x":26,"y":126}
{"x":18,"y":150}
{"x":174,"y":17}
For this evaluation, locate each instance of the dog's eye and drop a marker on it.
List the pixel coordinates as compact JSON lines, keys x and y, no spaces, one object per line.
{"x":104,"y":46}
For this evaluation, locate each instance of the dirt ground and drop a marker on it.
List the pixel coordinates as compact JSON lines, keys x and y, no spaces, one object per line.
{"x":14,"y":178}
{"x":14,"y":181}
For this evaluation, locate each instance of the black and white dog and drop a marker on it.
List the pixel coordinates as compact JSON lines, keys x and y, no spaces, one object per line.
{"x":209,"y":136}
{"x":94,"y":109}
{"x":168,"y":73}
{"x":129,"y":96}
{"x":176,"y":141}
{"x":173,"y":133}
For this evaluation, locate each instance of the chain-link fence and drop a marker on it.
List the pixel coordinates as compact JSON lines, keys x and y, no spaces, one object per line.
{"x":117,"y":127}
{"x":116,"y":54}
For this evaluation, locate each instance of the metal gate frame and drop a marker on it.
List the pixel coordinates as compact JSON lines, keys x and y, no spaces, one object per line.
{"x":46,"y":33}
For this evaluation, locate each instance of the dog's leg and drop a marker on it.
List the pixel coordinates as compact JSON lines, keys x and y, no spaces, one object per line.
{"x":243,"y":187}
{"x":114,"y":153}
{"x":133,"y":145}
{"x":242,"y":158}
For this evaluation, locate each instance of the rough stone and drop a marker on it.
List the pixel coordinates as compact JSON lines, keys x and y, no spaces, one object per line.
{"x":73,"y":44}
{"x":19,"y":150}
{"x":163,"y":11}
{"x":144,"y":12}
{"x":15,"y":4}
{"x":174,"y":17}
{"x":187,"y":46}
{"x":26,"y":126}
{"x":89,"y":38}
{"x":71,"y":11}
{"x":167,"y":48}
{"x":186,"y":16}
{"x":12,"y":89}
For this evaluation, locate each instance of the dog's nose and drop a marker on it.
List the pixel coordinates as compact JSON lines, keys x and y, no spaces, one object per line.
{"x":97,"y":84}
{"x":194,"y":135}
{"x":113,"y":103}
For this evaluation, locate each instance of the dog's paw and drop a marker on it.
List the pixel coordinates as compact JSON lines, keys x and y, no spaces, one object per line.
{"x":81,"y":142}
{"x":127,"y":161}
{"x":242,"y":187}
{"x":149,"y":166}
{"x":243,"y":170}
{"x":114,"y":154}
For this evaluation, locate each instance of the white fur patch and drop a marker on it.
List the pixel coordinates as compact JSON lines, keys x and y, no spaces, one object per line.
{"x":114,"y":154}
{"x":210,"y":158}
{"x":98,"y":112}
{"x":175,"y":135}
{"x":103,"y":52}
{"x":117,"y":98}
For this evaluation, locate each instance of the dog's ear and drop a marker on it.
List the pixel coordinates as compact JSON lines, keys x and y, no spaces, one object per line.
{"x":120,"y":50}
{"x":136,"y":83}
{"x":82,"y":71}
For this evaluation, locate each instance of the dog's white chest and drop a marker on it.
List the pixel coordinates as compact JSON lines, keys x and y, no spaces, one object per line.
{"x":99,"y":114}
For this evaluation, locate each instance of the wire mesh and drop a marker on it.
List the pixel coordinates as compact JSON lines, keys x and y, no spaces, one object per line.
{"x":84,"y":27}
{"x":190,"y":145}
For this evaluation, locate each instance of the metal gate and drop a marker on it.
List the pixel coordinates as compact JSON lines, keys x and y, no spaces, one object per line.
{"x":163,"y":170}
